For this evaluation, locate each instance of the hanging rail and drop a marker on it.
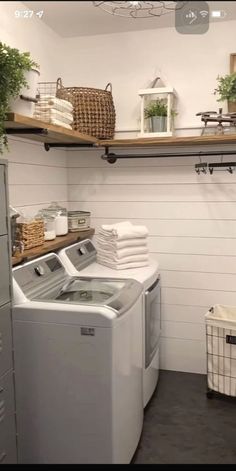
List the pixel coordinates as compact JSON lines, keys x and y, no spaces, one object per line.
{"x":111,"y":157}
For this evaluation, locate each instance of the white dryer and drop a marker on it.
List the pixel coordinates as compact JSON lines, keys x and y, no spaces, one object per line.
{"x":78,"y":365}
{"x":80,"y":258}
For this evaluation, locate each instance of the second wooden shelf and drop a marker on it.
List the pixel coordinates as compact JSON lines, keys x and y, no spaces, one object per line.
{"x":52,"y":245}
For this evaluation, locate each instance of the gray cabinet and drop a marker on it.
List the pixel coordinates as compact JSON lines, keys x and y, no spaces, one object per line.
{"x":5,"y":339}
{"x":7,"y":420}
{"x":8,"y":452}
{"x":3,"y":211}
{"x":4,"y":269}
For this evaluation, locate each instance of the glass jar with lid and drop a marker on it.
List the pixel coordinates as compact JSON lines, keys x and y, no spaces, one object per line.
{"x":49,"y":227}
{"x":61,"y":218}
{"x":55,"y":207}
{"x":49,"y":224}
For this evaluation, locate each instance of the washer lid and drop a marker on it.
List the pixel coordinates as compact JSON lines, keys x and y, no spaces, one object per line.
{"x":117,"y":294}
{"x":89,"y":291}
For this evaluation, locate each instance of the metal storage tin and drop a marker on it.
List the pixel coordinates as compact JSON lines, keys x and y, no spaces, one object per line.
{"x":78,"y":220}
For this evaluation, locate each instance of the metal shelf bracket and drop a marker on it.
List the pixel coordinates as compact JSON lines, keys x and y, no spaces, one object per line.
{"x":49,"y":145}
{"x":37,"y":131}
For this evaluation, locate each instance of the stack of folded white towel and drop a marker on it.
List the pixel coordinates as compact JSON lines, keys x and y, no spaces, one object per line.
{"x":122,"y":245}
{"x":54,"y":110}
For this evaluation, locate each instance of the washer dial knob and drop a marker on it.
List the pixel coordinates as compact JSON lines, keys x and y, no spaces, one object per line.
{"x":39,"y":270}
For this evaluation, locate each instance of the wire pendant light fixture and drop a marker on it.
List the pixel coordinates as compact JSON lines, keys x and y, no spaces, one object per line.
{"x":138,"y":9}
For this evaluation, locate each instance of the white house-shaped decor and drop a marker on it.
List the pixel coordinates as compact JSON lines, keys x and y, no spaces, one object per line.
{"x":157,"y":111}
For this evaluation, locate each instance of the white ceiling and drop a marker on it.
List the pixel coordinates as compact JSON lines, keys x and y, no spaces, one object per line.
{"x":69,"y":19}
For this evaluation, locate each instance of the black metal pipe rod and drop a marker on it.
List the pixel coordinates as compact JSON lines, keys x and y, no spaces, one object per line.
{"x":171,"y":154}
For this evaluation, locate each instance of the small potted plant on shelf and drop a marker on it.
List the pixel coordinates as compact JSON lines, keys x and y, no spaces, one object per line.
{"x":14,"y":66}
{"x":227,"y":90}
{"x":156,"y":113}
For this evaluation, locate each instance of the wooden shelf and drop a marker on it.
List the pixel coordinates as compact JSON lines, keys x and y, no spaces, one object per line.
{"x":170,"y":141}
{"x":18,"y":125}
{"x":53,"y":245}
{"x":33,"y":129}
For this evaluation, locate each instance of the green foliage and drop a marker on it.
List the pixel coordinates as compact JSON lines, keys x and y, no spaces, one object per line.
{"x":226,"y":87}
{"x":13,"y":66}
{"x":157,"y":108}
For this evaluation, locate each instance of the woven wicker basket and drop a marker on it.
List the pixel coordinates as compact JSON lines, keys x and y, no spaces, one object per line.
{"x":30,"y":234}
{"x":94,"y":111}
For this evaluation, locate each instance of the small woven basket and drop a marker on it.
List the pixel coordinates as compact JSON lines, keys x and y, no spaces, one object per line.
{"x":30,"y":234}
{"x":94,"y":111}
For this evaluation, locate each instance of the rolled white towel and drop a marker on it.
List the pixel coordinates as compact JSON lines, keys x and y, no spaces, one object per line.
{"x":52,"y":113}
{"x":54,"y":101}
{"x":121,"y":244}
{"x":45,"y":107}
{"x":122,"y":230}
{"x":54,"y":121}
{"x":123,"y":266}
{"x":122,"y":253}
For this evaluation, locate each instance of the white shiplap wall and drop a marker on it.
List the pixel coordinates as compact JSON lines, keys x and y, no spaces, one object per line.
{"x":130,"y":61}
{"x":35,"y":177}
{"x":192,"y":223}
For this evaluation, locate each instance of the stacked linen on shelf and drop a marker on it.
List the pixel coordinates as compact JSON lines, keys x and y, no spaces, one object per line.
{"x":54,"y":110}
{"x":122,"y":245}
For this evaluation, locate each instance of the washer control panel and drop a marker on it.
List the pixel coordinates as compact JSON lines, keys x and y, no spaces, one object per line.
{"x":82,"y":254}
{"x":39,"y":274}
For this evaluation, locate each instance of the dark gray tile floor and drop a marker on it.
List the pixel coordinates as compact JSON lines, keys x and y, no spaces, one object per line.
{"x":182,"y":426}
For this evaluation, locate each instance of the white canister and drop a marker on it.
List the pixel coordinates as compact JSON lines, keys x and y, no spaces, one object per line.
{"x":24,"y":104}
{"x":61,"y":222}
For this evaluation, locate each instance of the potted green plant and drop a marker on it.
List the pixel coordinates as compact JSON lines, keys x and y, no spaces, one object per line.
{"x":227,"y":90}
{"x":156,"y":113}
{"x":13,"y":68}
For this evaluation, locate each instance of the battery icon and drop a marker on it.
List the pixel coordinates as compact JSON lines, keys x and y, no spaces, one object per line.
{"x":218,"y":14}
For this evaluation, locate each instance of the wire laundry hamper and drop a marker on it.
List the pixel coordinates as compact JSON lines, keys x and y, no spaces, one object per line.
{"x":93,"y":109}
{"x":221,"y":350}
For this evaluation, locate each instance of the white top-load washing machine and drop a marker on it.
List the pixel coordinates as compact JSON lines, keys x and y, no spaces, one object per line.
{"x":78,"y":365}
{"x":80,"y":258}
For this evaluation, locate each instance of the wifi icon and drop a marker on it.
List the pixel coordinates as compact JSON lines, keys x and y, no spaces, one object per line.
{"x":203,"y":13}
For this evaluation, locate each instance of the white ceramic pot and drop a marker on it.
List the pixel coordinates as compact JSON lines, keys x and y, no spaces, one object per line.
{"x":24,"y":104}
